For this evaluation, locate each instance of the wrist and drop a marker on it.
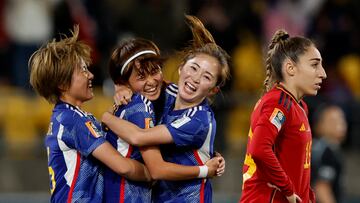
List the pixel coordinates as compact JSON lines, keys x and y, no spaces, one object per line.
{"x":203,"y":171}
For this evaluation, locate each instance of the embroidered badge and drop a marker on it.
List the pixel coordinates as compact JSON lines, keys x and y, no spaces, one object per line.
{"x":181,"y":121}
{"x":149,"y":123}
{"x":93,"y":129}
{"x":277,"y":118}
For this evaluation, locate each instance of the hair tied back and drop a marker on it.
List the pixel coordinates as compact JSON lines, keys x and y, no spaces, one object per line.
{"x":284,"y":36}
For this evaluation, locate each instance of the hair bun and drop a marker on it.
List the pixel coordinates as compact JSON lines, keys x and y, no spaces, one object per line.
{"x":285,"y":36}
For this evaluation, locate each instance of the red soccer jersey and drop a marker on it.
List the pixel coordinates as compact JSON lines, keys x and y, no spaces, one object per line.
{"x":277,"y":161}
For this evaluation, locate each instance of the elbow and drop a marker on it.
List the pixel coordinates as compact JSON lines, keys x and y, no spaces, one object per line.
{"x":136,"y":140}
{"x":257,"y":154}
{"x":156,"y":172}
{"x":123,"y":170}
{"x":156,"y":175}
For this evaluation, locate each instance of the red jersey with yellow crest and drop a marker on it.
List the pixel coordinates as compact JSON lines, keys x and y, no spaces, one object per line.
{"x":277,"y":162}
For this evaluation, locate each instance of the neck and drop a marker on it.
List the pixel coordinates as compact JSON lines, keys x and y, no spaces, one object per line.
{"x":70,"y":100}
{"x":181,"y":104}
{"x":291,"y":88}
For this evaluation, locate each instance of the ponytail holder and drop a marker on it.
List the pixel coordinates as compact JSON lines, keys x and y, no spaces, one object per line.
{"x":285,"y":37}
{"x":134,"y":56}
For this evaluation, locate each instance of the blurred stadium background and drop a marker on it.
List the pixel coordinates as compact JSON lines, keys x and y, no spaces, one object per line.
{"x":242,"y":27}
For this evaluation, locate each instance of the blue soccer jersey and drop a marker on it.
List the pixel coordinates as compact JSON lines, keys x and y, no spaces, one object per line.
{"x":193,"y":131}
{"x":117,"y":188}
{"x":75,"y":175}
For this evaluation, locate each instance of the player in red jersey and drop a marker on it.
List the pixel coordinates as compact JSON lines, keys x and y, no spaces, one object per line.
{"x":277,"y":162}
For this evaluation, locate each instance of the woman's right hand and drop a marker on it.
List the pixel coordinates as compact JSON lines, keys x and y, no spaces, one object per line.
{"x":213,"y":165}
{"x":122,"y":95}
{"x":294,"y":198}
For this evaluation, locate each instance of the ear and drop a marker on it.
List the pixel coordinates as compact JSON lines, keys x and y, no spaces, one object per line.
{"x":289,"y":67}
{"x":180,"y":68}
{"x":214,"y":91}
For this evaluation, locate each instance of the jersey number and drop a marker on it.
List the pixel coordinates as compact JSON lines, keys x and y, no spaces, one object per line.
{"x":249,"y":162}
{"x":51,"y":176}
{"x":307,"y":155}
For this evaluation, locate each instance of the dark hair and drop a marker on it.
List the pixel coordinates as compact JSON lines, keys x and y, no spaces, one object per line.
{"x":150,"y":63}
{"x":282,"y":46}
{"x":204,"y":43}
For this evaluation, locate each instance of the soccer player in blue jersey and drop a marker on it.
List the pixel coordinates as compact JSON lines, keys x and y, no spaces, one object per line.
{"x":136,"y":63}
{"x":75,"y":143}
{"x":188,"y":124}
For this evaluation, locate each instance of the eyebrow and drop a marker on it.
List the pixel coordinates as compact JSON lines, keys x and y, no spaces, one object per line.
{"x":315,"y":59}
{"x":196,"y":64}
{"x":206,"y":71}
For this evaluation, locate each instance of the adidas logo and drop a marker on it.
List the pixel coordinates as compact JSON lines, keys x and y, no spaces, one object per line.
{"x":302,"y":128}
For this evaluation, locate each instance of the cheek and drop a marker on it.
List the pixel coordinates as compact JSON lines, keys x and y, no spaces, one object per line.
{"x":135,"y":85}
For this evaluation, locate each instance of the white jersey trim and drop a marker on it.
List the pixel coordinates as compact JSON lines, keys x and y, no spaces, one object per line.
{"x":204,"y":151}
{"x":70,"y":156}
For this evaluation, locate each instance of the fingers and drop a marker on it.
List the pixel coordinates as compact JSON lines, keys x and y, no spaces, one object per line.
{"x":273,"y":186}
{"x":121,"y":100}
{"x":217,"y":154}
{"x":298,"y":199}
{"x":221,"y":170}
{"x":122,"y":95}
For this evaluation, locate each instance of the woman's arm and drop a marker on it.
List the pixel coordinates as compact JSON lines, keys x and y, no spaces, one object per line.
{"x":136,"y":136}
{"x":324,"y":192}
{"x":128,"y":168}
{"x":162,"y":170}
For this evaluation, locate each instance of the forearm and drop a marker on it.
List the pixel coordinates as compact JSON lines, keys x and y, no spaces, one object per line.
{"x":128,"y":168}
{"x":137,"y":172}
{"x":162,"y":170}
{"x":125,"y":130}
{"x":265,"y":159}
{"x":324,"y":192}
{"x":136,"y":136}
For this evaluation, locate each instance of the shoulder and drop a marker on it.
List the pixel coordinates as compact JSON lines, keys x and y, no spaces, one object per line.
{"x":279,"y":98}
{"x":200,"y":113}
{"x":69,"y":115}
{"x":138,"y":98}
{"x":138,"y":103}
{"x":171,"y":89}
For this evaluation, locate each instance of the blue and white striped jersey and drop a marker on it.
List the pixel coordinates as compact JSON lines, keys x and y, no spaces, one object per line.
{"x":193,"y":131}
{"x":118,"y":189}
{"x":75,"y":175}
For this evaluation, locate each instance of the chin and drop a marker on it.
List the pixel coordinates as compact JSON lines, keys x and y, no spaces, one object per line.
{"x":152,"y":97}
{"x":313,"y":93}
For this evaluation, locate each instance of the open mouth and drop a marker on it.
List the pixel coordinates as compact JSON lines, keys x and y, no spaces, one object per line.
{"x":151,"y":90}
{"x":90,"y":84}
{"x":190,"y":87}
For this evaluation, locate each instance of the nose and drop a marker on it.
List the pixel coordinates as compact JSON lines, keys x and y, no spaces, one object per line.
{"x":90,"y":75}
{"x":322,"y":73}
{"x":150,"y":79}
{"x":196,"y":77}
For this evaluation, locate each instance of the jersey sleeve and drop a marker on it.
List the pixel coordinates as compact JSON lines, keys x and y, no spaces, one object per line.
{"x":140,"y":112}
{"x":190,"y":131}
{"x":327,"y":169}
{"x":87,"y":136}
{"x":142,"y":119}
{"x":270,"y":122}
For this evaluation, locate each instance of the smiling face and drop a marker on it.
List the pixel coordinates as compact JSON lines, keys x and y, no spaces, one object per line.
{"x":149,"y":85}
{"x":197,"y":80}
{"x":80,"y":89}
{"x":309,"y":73}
